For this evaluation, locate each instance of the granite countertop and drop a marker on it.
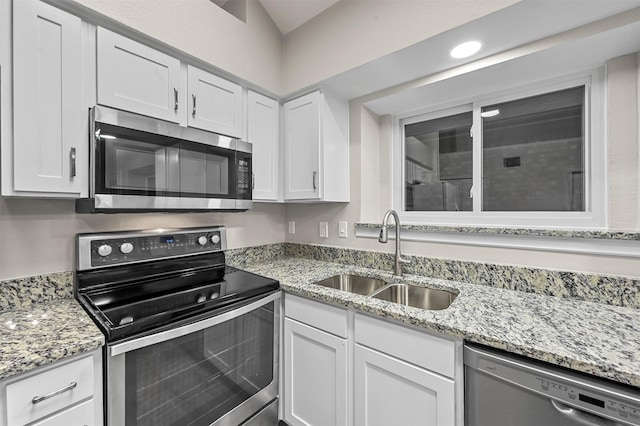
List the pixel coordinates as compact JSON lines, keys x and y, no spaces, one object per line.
{"x":42,"y":333}
{"x":594,"y":338}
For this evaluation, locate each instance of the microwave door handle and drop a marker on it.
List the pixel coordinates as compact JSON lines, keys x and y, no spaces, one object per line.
{"x":190,"y":328}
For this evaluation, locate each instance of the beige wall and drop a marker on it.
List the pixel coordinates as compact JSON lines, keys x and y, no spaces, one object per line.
{"x":354,"y":32}
{"x":375,"y":176}
{"x":38,"y":235}
{"x":251,"y":51}
{"x":624,"y":185}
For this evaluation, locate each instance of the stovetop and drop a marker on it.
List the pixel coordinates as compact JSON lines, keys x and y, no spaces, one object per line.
{"x":165,"y":278}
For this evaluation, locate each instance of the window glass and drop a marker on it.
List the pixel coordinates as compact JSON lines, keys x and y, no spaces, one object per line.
{"x":438,"y":164}
{"x":533,"y":153}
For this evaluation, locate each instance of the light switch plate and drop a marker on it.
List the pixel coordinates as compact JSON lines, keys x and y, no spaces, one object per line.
{"x":324,"y":230}
{"x":342,"y":229}
{"x":292,"y":226}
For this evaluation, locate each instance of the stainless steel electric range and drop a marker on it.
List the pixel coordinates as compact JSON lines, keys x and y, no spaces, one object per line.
{"x":189,"y":340}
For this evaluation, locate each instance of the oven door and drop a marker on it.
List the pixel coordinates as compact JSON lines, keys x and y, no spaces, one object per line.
{"x":218,"y":371}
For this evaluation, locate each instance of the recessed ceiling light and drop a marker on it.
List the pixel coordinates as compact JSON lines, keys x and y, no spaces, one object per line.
{"x":466,"y":49}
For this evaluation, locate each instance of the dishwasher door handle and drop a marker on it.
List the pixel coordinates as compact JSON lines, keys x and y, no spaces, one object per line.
{"x":582,"y":417}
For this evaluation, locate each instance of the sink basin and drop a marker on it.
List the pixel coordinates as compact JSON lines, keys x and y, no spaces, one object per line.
{"x":353,"y":283}
{"x":417,"y":297}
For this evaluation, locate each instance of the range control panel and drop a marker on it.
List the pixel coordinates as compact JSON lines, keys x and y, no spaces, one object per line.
{"x":99,"y":250}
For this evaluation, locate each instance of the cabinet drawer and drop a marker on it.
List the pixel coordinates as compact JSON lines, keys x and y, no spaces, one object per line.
{"x":80,"y":415}
{"x":322,"y":316}
{"x":21,"y":409}
{"x":425,"y":350}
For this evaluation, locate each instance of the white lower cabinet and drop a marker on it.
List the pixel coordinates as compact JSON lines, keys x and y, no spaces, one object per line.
{"x":343,"y":368}
{"x":315,"y":363}
{"x":316,"y":376}
{"x":390,"y":391}
{"x":65,"y":393}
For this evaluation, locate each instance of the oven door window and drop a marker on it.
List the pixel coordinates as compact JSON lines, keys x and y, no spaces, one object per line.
{"x":130,"y":162}
{"x":198,"y":378}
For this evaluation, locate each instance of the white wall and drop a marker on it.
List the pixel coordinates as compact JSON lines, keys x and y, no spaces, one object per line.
{"x":623,"y":143}
{"x":251,"y":51}
{"x":38,"y":235}
{"x":354,"y":32}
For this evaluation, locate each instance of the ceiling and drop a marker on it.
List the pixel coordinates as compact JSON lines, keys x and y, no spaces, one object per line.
{"x":290,"y":14}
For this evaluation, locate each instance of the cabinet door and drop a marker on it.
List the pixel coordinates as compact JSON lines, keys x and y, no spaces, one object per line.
{"x":215,"y":103}
{"x":137,"y":78}
{"x":263,"y":127}
{"x":389,"y":391}
{"x":47,"y":99}
{"x":302,"y":148}
{"x":315,"y":376}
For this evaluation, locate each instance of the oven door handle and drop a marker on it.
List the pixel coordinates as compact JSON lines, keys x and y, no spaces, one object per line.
{"x":189,"y":328}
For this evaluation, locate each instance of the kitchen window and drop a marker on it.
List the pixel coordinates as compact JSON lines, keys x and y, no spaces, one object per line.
{"x":528,"y":158}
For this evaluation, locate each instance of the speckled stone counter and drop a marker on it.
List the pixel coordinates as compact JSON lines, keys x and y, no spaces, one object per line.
{"x":594,"y":338}
{"x":41,"y":323}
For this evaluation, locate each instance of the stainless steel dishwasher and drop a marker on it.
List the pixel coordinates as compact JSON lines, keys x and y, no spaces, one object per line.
{"x":502,"y":389}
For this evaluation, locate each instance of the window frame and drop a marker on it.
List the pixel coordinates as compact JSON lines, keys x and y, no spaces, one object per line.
{"x":595,"y":161}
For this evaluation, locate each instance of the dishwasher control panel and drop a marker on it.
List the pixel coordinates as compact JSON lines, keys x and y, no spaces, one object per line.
{"x":605,"y":405}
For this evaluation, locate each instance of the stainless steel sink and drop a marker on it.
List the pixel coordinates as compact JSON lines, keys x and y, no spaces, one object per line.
{"x":417,"y":297}
{"x":353,"y":283}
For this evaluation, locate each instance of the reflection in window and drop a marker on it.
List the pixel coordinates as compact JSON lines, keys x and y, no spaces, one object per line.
{"x":438,"y":169}
{"x":533,"y":153}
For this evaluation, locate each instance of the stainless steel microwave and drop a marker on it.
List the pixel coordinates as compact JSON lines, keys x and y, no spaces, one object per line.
{"x":141,"y":164}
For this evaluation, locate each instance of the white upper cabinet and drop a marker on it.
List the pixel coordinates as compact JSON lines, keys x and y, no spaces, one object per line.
{"x":316,"y":148}
{"x":137,"y":78}
{"x":263,"y":131}
{"x":49,"y":138}
{"x":215,"y":103}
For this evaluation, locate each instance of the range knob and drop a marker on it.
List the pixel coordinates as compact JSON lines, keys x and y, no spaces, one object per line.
{"x":214,"y":295}
{"x":126,"y":248}
{"x":201,"y":298}
{"x":202,"y":240}
{"x":215,"y":238}
{"x":105,"y":250}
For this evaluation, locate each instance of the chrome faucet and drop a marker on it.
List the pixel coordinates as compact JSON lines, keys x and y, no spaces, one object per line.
{"x":384,"y":238}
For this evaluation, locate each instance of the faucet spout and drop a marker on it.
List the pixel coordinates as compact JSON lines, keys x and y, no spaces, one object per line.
{"x":399,"y":260}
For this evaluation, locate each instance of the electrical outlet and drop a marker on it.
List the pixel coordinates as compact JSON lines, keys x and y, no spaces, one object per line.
{"x":324,"y":230}
{"x":292,"y":226}
{"x":342,"y":229}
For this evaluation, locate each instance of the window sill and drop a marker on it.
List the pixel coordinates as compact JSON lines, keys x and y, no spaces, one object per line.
{"x":624,"y":244}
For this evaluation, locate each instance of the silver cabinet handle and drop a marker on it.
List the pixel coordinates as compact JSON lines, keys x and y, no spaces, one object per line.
{"x":253,"y":181}
{"x":315,"y":175}
{"x":193,"y":96}
{"x":72,"y":154}
{"x":37,"y":399}
{"x":175,"y":99}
